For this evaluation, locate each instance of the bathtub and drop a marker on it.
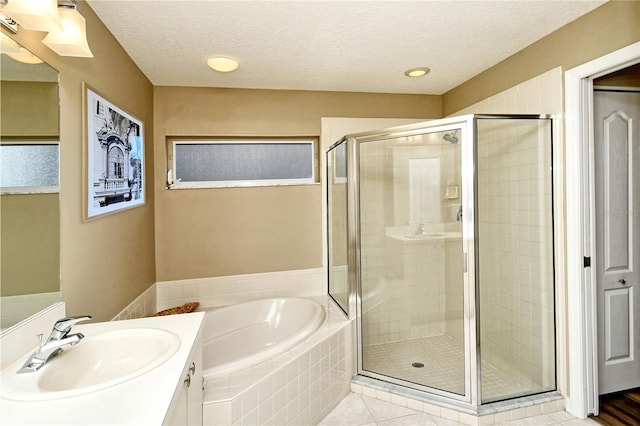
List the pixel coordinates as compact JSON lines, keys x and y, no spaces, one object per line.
{"x":239,"y":336}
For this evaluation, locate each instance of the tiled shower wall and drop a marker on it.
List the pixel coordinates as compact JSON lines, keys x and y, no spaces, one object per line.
{"x":397,"y":301}
{"x":432,"y":296}
{"x":516,"y":317}
{"x":540,"y":95}
{"x":376,"y":268}
{"x":515,"y":249}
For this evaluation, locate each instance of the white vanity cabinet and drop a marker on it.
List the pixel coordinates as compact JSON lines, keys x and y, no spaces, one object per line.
{"x":155,"y":397}
{"x":186,"y":405}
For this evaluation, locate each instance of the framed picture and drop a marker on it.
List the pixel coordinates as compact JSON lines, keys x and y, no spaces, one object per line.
{"x":113,"y":169}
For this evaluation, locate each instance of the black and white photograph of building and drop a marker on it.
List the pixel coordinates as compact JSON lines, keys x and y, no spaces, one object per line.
{"x":115,"y":158}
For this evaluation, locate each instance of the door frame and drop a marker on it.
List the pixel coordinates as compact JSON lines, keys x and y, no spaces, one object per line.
{"x":580,"y":223}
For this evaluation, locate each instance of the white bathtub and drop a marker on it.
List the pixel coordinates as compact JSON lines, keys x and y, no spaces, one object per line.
{"x":243,"y":335}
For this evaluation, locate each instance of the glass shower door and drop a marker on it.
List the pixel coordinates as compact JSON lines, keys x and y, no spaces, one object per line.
{"x":515,"y":257}
{"x":337,"y":249}
{"x":410,"y":204}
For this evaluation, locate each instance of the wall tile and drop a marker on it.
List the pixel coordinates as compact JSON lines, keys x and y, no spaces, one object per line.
{"x":144,"y":305}
{"x":219,"y":291}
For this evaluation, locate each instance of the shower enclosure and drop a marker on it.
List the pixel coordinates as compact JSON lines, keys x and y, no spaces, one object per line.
{"x":440,"y":244}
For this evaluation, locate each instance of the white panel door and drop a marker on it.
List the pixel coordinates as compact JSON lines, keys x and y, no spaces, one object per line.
{"x":617,"y":179}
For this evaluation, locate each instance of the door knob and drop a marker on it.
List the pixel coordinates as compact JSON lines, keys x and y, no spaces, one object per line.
{"x":622,"y":281}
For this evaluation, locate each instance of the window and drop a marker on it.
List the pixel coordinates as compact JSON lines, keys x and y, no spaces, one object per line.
{"x":116,"y":163}
{"x":241,"y":162}
{"x":29,"y":167}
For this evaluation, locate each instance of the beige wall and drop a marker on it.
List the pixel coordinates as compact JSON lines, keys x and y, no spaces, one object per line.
{"x":612,"y":26}
{"x":219,"y":232}
{"x":109,"y":261}
{"x":30,"y":241}
{"x":29,"y":109}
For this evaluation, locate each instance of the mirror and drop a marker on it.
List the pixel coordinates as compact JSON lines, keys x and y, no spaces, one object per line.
{"x":29,"y":185}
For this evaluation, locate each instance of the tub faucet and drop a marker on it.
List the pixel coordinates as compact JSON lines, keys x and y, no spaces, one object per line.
{"x":58,"y":338}
{"x":419,"y":229}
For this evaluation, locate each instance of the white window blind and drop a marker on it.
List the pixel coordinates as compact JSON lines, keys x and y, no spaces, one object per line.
{"x":214,"y":163}
{"x":29,"y":167}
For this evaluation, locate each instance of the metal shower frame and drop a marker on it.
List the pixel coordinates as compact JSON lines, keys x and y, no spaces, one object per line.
{"x":466,"y":126}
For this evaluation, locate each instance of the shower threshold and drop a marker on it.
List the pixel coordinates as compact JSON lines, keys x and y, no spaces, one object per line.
{"x":547,"y":402}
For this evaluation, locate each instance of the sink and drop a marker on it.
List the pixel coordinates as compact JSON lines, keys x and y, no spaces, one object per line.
{"x":97,"y":362}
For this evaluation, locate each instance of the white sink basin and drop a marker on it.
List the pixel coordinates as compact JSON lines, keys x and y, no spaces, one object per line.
{"x":97,"y":362}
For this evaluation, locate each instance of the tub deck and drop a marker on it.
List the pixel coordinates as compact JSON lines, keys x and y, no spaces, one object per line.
{"x":299,"y":386}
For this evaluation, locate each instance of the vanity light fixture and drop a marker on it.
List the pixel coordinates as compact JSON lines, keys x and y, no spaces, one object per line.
{"x":67,"y":28}
{"x":71,"y":40}
{"x":417,"y":72}
{"x":7,"y":45}
{"x":7,"y":21}
{"x":222,"y":63}
{"x":17,"y":52}
{"x":25,"y":57}
{"x":40,"y":15}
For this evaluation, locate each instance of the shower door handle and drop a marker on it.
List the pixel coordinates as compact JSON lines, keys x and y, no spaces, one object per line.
{"x":465,"y":260}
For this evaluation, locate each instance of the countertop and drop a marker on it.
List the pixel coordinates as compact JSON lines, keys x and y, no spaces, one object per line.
{"x":409,"y":234}
{"x":142,"y":400}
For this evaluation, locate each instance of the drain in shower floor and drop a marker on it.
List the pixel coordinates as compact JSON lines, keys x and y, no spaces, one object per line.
{"x":417,"y":365}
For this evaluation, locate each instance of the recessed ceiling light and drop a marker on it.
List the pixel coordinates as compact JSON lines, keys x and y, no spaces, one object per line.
{"x":417,"y":72}
{"x":222,"y":63}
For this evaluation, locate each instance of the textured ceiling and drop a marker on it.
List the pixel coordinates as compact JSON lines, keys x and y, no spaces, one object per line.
{"x":359,"y":46}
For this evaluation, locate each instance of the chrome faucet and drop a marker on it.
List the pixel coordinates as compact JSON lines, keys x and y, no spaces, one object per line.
{"x":58,"y":338}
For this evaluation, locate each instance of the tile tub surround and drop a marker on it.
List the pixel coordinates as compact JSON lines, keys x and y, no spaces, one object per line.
{"x":143,"y":306}
{"x":298,"y":387}
{"x":229,"y":290}
{"x":220,"y":291}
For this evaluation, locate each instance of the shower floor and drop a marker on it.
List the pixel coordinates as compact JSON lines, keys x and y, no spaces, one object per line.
{"x":443,"y":360}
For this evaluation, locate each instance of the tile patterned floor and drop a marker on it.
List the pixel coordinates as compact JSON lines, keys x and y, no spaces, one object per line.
{"x":360,"y":410}
{"x":442,"y":360}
